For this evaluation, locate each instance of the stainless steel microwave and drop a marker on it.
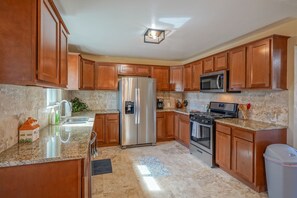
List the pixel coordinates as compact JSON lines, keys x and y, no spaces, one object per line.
{"x":215,"y":82}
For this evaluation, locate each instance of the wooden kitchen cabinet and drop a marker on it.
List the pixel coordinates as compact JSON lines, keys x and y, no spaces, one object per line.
{"x":107,"y":128}
{"x":187,"y":76}
{"x":63,"y":57}
{"x":208,"y":64}
{"x":176,"y":124}
{"x":237,"y":64}
{"x":134,"y":70}
{"x":162,"y":76}
{"x":221,"y":61}
{"x":106,"y":77}
{"x":87,"y":77}
{"x":176,"y":78}
{"x":74,"y":63}
{"x":197,"y":72}
{"x":240,"y":152}
{"x":165,"y":126}
{"x":184,"y":129}
{"x":35,"y":41}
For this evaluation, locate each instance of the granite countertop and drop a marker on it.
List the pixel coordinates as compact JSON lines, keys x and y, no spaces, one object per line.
{"x":250,"y":124}
{"x":91,"y":114}
{"x":182,"y":111}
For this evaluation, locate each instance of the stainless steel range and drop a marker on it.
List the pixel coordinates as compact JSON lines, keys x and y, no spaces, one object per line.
{"x":202,"y":129}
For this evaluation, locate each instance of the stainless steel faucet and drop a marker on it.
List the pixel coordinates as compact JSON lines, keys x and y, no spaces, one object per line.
{"x":60,"y":108}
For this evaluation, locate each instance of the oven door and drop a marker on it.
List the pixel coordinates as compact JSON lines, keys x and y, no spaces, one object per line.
{"x":202,"y":136}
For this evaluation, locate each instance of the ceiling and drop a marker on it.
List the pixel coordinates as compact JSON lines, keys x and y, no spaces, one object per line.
{"x":116,"y":28}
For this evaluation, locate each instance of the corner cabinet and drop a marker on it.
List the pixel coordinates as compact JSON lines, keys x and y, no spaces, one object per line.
{"x":107,"y":128}
{"x":35,"y":41}
{"x":240,"y":152}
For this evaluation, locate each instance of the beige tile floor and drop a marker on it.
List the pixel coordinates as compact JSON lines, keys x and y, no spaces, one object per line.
{"x":165,"y":170}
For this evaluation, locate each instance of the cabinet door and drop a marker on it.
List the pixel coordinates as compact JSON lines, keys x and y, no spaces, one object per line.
{"x":258,"y":64}
{"x":197,"y":71}
{"x":74,"y":61}
{"x":112,"y":129}
{"x":63,"y":57}
{"x":106,"y":77}
{"x":87,"y":80}
{"x":142,"y":70}
{"x":242,"y":158}
{"x":170,"y":125}
{"x":99,"y":128}
{"x":162,"y":76}
{"x":237,"y":64}
{"x":176,"y":78}
{"x":208,"y":65}
{"x":176,"y":126}
{"x":126,"y":69}
{"x":48,"y":59}
{"x":184,"y":129}
{"x":161,"y":126}
{"x":223,"y":150}
{"x":221,"y":61}
{"x":188,"y":77}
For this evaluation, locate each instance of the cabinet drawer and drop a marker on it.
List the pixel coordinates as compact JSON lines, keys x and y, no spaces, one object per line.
{"x":246,"y":135}
{"x":112,"y":116}
{"x":223,"y":129}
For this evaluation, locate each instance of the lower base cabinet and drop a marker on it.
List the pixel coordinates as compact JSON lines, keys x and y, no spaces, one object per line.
{"x":69,"y":178}
{"x":107,"y":128}
{"x":240,"y":153}
{"x":171,"y":125}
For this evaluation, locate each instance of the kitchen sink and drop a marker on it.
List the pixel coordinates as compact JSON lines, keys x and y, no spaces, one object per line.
{"x":76,"y":120}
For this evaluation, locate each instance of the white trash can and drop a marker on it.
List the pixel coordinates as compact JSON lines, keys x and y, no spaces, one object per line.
{"x":281,"y":171}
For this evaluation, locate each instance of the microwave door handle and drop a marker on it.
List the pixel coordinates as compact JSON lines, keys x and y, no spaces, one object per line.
{"x":218,"y":83}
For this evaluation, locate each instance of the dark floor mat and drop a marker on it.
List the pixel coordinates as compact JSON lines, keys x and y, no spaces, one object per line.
{"x":101,"y":167}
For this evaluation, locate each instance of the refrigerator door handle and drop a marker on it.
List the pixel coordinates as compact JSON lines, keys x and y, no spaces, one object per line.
{"x":138,"y":106}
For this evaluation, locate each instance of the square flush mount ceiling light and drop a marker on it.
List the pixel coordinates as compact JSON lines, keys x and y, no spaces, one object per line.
{"x":154,"y":36}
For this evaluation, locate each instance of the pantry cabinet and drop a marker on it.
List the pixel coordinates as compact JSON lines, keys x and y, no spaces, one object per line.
{"x":35,"y":41}
{"x":240,"y":152}
{"x":162,"y":76}
{"x":176,"y":78}
{"x":107,"y":128}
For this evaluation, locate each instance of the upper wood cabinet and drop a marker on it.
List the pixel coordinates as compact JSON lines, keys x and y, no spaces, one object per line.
{"x":176,"y":78}
{"x":208,"y":64}
{"x":106,"y":77}
{"x":188,"y":72}
{"x":267,"y":63}
{"x":74,"y":64}
{"x":221,"y":61}
{"x":35,"y":40}
{"x":197,"y":71}
{"x":134,"y":70}
{"x":87,"y":77}
{"x":162,"y":76}
{"x":63,"y":57}
{"x":237,"y":64}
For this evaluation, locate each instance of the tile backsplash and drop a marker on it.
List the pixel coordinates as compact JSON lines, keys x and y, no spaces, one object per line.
{"x":267,"y":106}
{"x":17,"y":103}
{"x":169,"y":98}
{"x":97,"y":100}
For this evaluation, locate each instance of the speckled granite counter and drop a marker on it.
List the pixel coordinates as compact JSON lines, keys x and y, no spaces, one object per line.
{"x":182,"y":111}
{"x":250,"y":124}
{"x":55,"y":143}
{"x":91,"y":114}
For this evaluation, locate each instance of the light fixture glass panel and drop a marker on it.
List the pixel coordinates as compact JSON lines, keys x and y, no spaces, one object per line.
{"x":154,"y":36}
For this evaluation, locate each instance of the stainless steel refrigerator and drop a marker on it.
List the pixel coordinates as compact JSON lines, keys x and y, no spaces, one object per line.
{"x":137,"y":103}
